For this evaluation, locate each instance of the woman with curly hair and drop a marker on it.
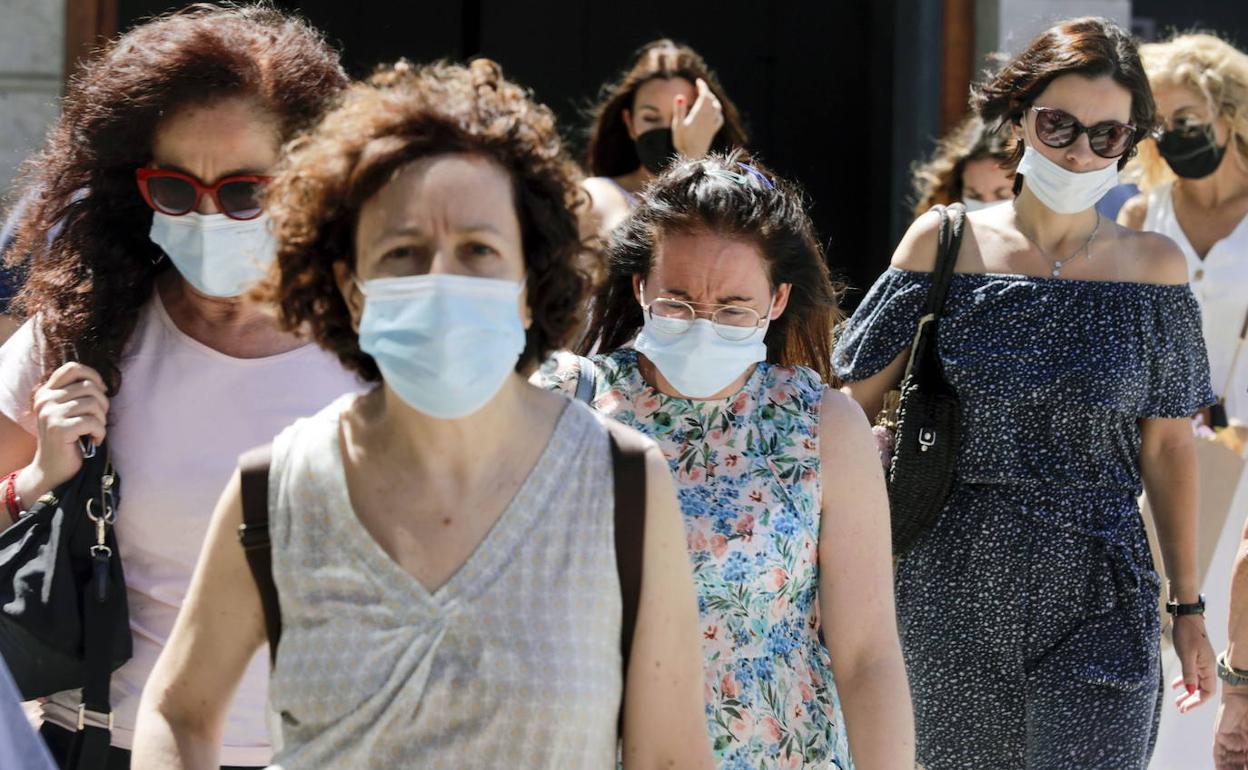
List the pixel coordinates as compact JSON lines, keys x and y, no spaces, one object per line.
{"x":667,"y":103}
{"x":442,"y":545}
{"x":137,"y":328}
{"x":714,"y":331}
{"x":968,"y":167}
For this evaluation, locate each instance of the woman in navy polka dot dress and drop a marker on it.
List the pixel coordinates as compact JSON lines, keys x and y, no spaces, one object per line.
{"x":1028,"y":614}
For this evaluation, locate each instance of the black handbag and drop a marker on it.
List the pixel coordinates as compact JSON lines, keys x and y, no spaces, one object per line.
{"x":64,"y":620}
{"x":928,"y":422}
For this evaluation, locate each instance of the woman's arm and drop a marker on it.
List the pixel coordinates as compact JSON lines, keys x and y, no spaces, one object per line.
{"x":1168,"y":467}
{"x":916,"y":252}
{"x":856,"y":592}
{"x":664,"y":711}
{"x":220,"y":627}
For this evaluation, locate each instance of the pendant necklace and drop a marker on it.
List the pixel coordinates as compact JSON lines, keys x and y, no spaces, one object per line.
{"x":1059,"y":263}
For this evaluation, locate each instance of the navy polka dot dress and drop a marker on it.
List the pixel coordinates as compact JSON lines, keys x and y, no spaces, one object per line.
{"x":1029,"y":614}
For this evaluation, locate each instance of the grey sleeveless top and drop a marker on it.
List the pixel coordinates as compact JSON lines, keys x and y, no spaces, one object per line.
{"x":513,"y":662}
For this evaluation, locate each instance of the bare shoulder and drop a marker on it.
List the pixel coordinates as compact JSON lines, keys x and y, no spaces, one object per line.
{"x":1153,"y":257}
{"x":917,"y":250}
{"x":840,"y":415}
{"x":1133,"y":212}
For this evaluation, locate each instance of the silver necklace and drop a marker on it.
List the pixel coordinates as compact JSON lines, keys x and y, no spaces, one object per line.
{"x":1059,"y":263}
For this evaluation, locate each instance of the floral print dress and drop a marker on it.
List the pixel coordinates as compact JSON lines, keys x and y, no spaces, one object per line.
{"x":748,"y":478}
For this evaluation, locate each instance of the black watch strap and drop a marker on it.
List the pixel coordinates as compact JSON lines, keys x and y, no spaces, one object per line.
{"x":1195,"y":608}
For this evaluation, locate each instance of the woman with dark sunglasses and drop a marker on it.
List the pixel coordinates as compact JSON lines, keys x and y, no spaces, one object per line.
{"x":1029,"y":612}
{"x":715,"y":329}
{"x":137,"y":327}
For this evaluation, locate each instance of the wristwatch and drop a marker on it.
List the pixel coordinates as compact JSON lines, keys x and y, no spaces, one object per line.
{"x":1232,"y":676}
{"x":1195,"y":608}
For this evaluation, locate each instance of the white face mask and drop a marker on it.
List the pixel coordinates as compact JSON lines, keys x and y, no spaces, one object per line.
{"x":1063,"y":191}
{"x":699,"y":362}
{"x":977,"y":205}
{"x":444,"y":343}
{"x":219,"y":256}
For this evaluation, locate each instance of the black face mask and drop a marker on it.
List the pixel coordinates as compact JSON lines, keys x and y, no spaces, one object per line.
{"x":1191,"y":152}
{"x":655,"y":149}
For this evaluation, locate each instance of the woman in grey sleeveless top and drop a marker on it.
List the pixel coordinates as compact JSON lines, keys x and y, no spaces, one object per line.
{"x":443,"y":545}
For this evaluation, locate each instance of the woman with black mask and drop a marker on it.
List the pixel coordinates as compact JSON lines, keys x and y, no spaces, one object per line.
{"x":668,"y":102}
{"x":1195,"y":182}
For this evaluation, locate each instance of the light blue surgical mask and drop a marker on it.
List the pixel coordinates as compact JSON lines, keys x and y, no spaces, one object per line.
{"x":974,"y":204}
{"x":219,"y":256}
{"x":696,"y":358}
{"x":444,"y":343}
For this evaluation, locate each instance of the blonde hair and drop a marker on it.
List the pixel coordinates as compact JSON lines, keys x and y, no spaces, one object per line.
{"x":1207,"y":65}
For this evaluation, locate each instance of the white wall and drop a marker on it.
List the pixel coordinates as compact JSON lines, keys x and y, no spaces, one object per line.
{"x":1009,"y":25}
{"x":32,"y":35}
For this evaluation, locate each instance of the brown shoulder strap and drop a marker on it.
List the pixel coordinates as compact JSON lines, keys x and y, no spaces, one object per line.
{"x":628,"y":458}
{"x":253,"y":533}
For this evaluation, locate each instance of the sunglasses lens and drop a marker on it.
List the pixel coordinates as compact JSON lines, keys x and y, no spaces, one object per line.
{"x":1055,"y":128}
{"x":1110,"y":140}
{"x":240,"y":200}
{"x":171,"y":195}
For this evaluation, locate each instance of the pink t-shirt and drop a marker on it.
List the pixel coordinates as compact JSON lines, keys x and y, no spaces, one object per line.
{"x":184,"y":414}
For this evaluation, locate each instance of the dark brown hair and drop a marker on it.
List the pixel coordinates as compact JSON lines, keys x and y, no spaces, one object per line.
{"x":719,"y":194}
{"x":1091,"y":47}
{"x":88,"y":283}
{"x":404,"y":113}
{"x":610,"y":151}
{"x":939,"y":180}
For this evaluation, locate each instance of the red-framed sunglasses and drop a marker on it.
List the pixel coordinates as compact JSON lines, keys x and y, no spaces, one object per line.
{"x":176,"y":194}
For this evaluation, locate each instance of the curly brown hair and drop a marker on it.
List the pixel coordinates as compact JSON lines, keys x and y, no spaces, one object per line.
{"x":1091,"y":47}
{"x":401,"y":114}
{"x":726,"y":195}
{"x":88,"y":283}
{"x":610,"y":150}
{"x":939,"y":180}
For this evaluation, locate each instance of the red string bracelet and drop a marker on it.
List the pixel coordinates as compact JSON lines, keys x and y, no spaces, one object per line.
{"x":12,"y":503}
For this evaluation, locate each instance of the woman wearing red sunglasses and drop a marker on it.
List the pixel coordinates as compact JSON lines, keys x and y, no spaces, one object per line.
{"x":137,"y":328}
{"x":1028,"y":613}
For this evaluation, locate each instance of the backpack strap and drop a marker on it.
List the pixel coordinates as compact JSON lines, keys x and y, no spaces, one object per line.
{"x":587,"y":381}
{"x":253,"y":534}
{"x":628,"y":460}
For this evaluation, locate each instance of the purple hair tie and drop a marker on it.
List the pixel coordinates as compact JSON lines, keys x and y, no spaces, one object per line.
{"x":743,"y":179}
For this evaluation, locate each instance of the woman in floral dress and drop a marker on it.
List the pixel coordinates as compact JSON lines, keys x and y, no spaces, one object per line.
{"x":714,"y":332}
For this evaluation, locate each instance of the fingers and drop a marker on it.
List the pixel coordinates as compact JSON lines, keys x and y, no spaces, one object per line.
{"x":84,"y":393}
{"x":680,"y":112}
{"x":74,"y":372}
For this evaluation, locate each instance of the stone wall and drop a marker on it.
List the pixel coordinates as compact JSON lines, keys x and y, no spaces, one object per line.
{"x":32,"y":35}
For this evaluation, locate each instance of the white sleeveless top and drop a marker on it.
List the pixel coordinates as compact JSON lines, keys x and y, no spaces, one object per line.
{"x":1220,"y":283}
{"x":513,"y":662}
{"x":175,"y":430}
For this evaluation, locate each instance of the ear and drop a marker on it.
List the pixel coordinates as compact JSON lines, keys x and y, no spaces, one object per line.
{"x":526,"y":311}
{"x":626,"y":115}
{"x":637,"y":279}
{"x":782,"y":300}
{"x":350,"y":291}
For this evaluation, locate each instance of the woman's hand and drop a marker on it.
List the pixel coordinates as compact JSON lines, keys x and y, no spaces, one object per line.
{"x":1230,"y":732}
{"x":1199,"y":680}
{"x":70,"y":405}
{"x":693,"y":129}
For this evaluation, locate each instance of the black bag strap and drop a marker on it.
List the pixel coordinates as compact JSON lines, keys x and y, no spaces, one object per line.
{"x":89,"y":749}
{"x":253,"y":534}
{"x":949,"y":242}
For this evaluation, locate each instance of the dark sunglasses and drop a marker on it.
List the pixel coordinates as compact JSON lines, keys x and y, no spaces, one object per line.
{"x":1058,"y":129}
{"x":176,"y":194}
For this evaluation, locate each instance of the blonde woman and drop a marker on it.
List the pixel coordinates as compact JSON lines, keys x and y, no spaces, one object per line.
{"x":1194,"y":177}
